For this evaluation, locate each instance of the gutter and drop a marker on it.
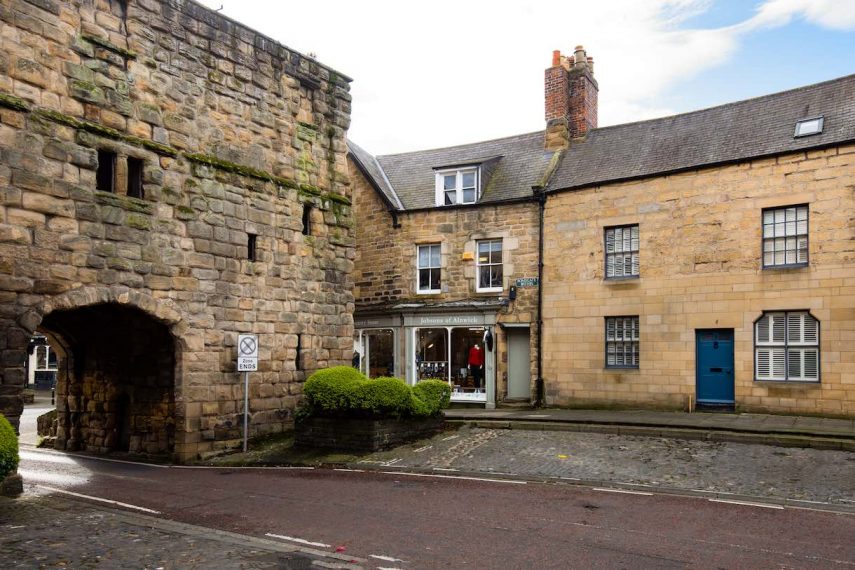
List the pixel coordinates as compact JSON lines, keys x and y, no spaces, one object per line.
{"x":540,"y":195}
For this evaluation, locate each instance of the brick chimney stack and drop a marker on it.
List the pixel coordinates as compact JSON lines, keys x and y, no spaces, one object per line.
{"x":571,"y":98}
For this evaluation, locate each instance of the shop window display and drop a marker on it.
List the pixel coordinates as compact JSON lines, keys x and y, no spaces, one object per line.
{"x":455,"y":354}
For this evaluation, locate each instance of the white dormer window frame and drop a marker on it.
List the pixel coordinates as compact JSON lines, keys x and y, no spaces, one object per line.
{"x":458,"y":186}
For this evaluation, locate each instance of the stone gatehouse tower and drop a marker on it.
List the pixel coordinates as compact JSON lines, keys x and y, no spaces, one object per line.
{"x":168,"y":179}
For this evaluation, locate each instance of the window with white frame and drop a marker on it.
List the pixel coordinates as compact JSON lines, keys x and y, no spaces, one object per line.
{"x":622,"y":339}
{"x":786,"y":347}
{"x":429,"y":259}
{"x":622,"y":252}
{"x":785,"y":236}
{"x":489,"y":265}
{"x":457,"y":186}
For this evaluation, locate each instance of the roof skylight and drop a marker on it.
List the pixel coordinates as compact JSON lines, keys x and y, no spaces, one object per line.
{"x":807,"y":127}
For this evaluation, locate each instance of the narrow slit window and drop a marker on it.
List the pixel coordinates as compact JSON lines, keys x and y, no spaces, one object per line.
{"x":298,"y":359}
{"x":105,"y":176}
{"x":251,"y":247}
{"x":307,"y":219}
{"x":135,"y":177}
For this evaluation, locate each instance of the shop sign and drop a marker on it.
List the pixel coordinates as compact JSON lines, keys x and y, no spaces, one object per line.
{"x":374,"y":322}
{"x":527,"y":282}
{"x":451,"y":321}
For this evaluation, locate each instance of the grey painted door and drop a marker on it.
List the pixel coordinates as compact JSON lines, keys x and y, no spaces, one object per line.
{"x":519,"y":364}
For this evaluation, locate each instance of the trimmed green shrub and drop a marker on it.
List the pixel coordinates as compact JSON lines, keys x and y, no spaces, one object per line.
{"x":383,"y":397}
{"x":344,"y":391}
{"x":8,"y":448}
{"x":431,"y":396}
{"x":333,"y":389}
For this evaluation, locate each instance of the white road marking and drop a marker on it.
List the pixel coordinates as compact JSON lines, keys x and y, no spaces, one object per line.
{"x":624,"y":491}
{"x":425,"y":448}
{"x":99,"y":499}
{"x":298,"y":540}
{"x":387,"y":568}
{"x":391,"y":462}
{"x":435,"y":476}
{"x":747,"y":504}
{"x":244,"y":467}
{"x":445,"y":469}
{"x":450,"y":437}
{"x":351,"y":470}
{"x":385,"y":558}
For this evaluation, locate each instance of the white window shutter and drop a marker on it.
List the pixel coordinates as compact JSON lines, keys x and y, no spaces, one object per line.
{"x":810,"y":329}
{"x":794,"y":364}
{"x":763,"y":364}
{"x":779,"y":364}
{"x":794,"y":327}
{"x":811,"y":363}
{"x":779,"y":328}
{"x":763,"y":329}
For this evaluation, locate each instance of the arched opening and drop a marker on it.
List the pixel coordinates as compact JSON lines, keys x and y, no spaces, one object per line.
{"x":116,"y":380}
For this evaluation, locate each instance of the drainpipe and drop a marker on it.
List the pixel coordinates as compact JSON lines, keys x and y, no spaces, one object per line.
{"x":538,"y":382}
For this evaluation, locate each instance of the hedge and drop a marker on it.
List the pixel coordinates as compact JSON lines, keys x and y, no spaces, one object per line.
{"x":8,"y":448}
{"x":344,"y":391}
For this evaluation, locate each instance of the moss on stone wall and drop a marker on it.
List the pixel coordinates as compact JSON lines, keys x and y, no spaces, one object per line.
{"x":12,"y":102}
{"x":235,"y":168}
{"x":126,"y":53}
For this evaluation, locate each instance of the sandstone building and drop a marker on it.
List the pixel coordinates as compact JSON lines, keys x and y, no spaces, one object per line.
{"x":700,"y":259}
{"x":708,"y":257}
{"x":446,"y":257}
{"x":169,"y":178}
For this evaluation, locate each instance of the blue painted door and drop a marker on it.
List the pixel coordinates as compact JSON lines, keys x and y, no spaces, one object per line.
{"x":714,"y":384}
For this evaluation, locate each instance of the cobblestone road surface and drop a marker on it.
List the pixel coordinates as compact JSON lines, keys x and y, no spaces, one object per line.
{"x":744,"y":469}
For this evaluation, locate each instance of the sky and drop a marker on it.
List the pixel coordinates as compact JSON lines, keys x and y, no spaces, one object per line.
{"x":441,"y":73}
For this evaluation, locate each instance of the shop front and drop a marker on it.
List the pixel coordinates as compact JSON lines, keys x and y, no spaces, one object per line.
{"x":376,"y":346}
{"x":417,"y":344}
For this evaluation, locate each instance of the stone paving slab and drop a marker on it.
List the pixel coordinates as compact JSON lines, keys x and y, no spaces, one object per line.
{"x":797,"y":476}
{"x":46,"y":531}
{"x":756,"y":423}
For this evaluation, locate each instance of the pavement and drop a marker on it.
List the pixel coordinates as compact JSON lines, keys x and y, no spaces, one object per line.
{"x":766,"y":429}
{"x":28,"y":429}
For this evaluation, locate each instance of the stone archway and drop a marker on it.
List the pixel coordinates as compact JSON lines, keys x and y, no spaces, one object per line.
{"x":116,"y":388}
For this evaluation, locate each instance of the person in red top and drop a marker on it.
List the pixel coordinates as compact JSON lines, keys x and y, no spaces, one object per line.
{"x":476,"y":365}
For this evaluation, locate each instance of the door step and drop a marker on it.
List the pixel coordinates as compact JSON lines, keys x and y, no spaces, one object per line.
{"x":515,"y":404}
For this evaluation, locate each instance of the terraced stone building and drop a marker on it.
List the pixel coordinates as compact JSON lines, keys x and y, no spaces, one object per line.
{"x":169,"y":178}
{"x":704,"y":259}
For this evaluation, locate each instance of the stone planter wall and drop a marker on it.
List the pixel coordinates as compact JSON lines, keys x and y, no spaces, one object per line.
{"x":344,"y":434}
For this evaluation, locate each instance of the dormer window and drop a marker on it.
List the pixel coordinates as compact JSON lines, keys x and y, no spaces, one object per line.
{"x":458,"y":186}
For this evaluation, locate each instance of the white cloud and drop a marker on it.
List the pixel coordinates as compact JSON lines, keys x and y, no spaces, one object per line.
{"x":430,"y":74}
{"x":833,"y":14}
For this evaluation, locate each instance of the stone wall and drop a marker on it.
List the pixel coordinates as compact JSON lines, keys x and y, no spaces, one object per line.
{"x":700,"y":243}
{"x":237,"y":135}
{"x":385,"y":270}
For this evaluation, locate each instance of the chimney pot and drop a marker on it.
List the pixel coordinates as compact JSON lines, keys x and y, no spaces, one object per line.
{"x":580,"y":57}
{"x":556,"y":58}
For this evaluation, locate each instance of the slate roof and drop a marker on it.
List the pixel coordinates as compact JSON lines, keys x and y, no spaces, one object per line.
{"x":743,"y":130}
{"x":511,"y":166}
{"x":737,"y":131}
{"x":369,"y":166}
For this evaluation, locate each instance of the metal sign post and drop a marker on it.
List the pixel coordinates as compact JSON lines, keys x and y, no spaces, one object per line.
{"x":245,"y":410}
{"x":247,"y":361}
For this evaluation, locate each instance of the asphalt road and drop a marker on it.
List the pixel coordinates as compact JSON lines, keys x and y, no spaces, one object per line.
{"x":405,"y":521}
